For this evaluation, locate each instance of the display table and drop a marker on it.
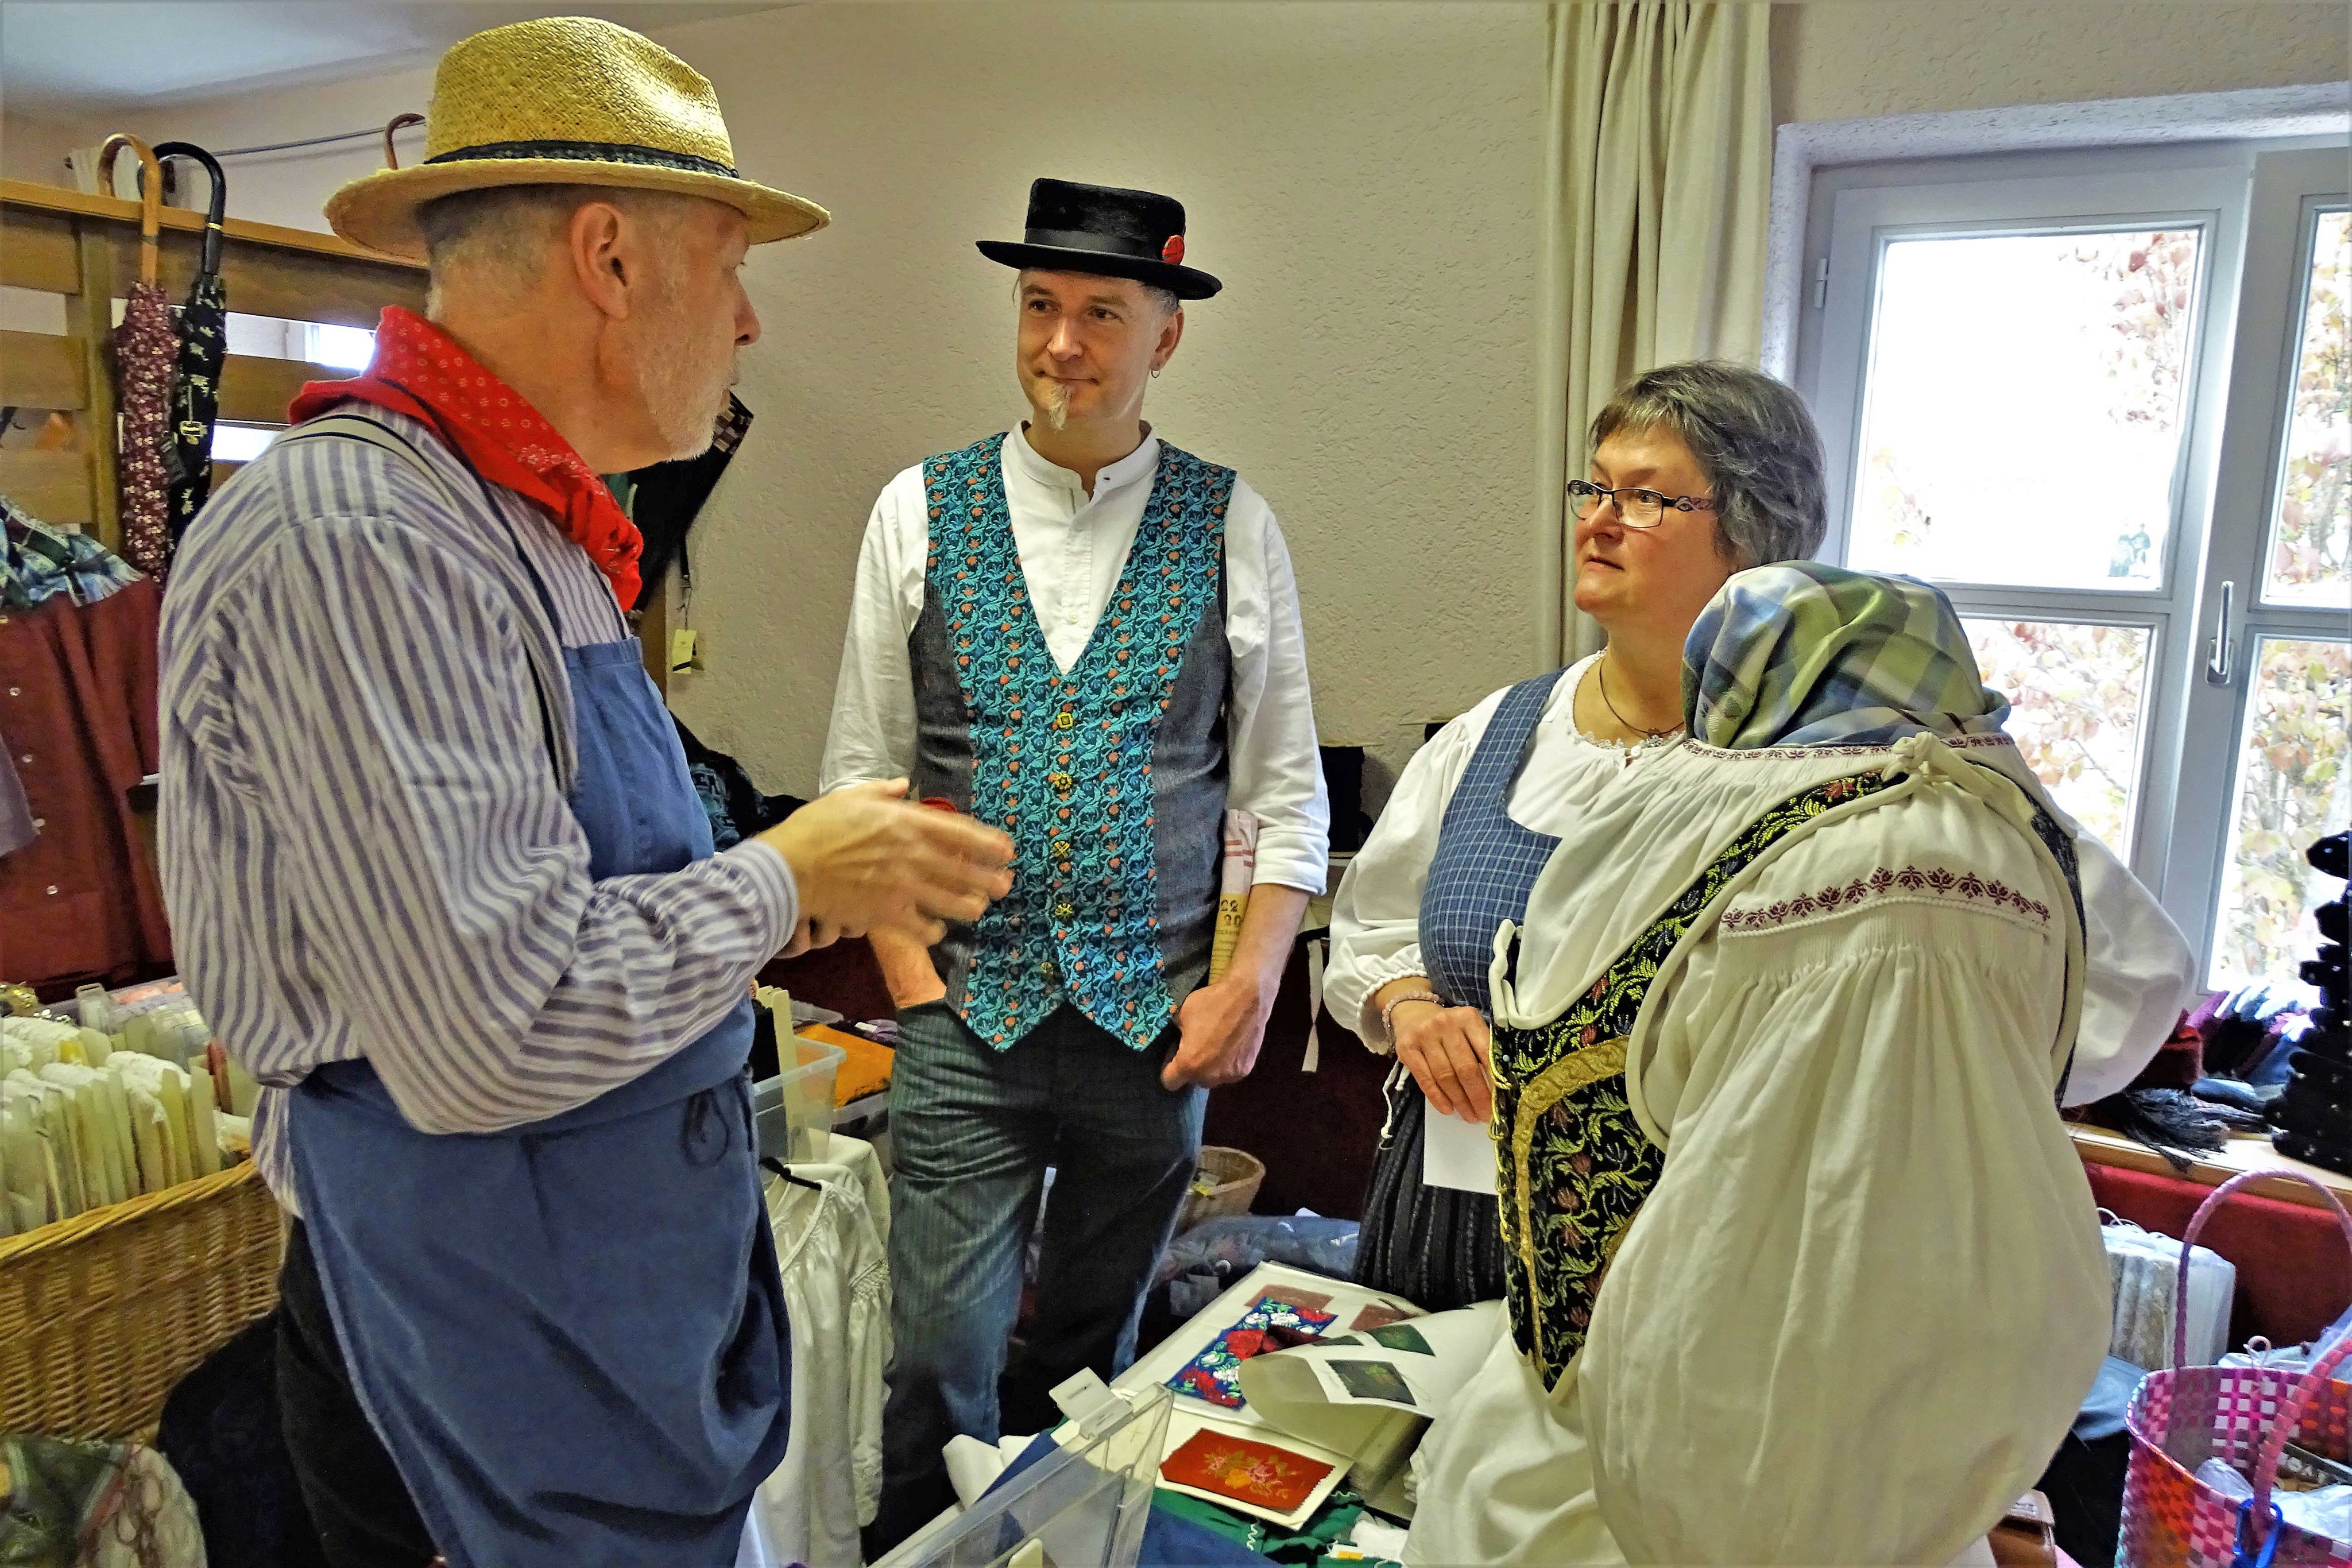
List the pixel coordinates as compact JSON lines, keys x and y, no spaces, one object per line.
{"x":2293,"y":1278}
{"x":2100,"y":1147}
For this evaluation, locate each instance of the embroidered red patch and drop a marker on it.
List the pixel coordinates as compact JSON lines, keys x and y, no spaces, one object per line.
{"x":1173,"y":251}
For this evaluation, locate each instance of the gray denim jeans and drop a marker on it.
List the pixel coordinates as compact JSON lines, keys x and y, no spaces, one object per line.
{"x":972,"y":1130}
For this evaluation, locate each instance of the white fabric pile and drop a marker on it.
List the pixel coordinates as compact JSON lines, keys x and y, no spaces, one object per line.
{"x":832,"y":1249}
{"x":2146,"y":1268}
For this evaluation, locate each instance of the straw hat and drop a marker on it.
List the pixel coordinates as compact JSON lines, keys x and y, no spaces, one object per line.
{"x":564,"y":100}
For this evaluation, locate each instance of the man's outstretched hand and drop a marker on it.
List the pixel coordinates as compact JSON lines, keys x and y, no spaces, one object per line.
{"x":866,"y":860}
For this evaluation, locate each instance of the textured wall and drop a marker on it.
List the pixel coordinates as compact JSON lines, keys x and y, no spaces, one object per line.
{"x":33,"y":149}
{"x":1838,"y":59}
{"x":1363,"y":177}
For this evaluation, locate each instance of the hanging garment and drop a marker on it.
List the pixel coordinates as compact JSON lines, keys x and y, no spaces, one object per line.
{"x":832,"y":1250}
{"x":612,"y":1261}
{"x":736,"y":806}
{"x":17,"y":827}
{"x":39,"y":562}
{"x":95,"y":1505}
{"x":203,"y":332}
{"x":145,"y":345}
{"x":79,"y":901}
{"x":665,"y":499}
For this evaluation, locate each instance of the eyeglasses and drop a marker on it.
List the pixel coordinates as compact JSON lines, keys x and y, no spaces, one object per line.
{"x":1636,"y":508}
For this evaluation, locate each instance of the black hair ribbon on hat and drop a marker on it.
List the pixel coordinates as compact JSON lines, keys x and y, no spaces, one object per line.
{"x":590,"y":152}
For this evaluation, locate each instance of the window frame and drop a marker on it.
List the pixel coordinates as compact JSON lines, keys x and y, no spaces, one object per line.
{"x":2290,"y":188}
{"x":2245,"y":339}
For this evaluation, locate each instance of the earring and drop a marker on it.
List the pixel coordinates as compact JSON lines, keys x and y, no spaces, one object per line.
{"x":1155,"y":374}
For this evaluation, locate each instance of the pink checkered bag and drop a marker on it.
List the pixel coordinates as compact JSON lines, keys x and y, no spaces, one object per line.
{"x":2245,"y":1415}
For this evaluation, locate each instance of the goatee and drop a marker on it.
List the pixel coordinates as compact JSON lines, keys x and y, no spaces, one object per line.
{"x":1056,"y":408}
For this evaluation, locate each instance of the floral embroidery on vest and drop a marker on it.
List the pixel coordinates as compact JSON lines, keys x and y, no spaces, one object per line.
{"x":1576,"y":1167}
{"x":1061,"y":762}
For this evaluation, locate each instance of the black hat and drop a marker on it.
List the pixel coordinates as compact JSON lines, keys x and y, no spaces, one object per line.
{"x":1106,"y":231}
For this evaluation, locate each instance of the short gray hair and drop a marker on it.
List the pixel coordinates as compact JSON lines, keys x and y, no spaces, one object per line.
{"x":503,"y":231}
{"x":1754,"y":438}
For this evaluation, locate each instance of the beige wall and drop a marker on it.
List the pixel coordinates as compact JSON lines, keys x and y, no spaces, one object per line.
{"x":1840,"y":59}
{"x":34,"y":149}
{"x":1362,"y":175}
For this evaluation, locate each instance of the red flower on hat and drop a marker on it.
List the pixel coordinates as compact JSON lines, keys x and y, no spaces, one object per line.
{"x":1173,"y":251}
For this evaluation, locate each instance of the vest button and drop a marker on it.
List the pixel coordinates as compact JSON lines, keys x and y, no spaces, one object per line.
{"x":1064,"y":909}
{"x":1062,"y":782}
{"x":1066,"y":719}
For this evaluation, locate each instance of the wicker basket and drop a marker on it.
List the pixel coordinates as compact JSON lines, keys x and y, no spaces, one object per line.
{"x":1234,"y":1178}
{"x":100,"y":1315}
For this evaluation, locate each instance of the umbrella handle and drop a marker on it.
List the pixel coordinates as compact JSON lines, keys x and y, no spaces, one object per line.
{"x":151,"y":196}
{"x":218,"y":213}
{"x":397,"y":123}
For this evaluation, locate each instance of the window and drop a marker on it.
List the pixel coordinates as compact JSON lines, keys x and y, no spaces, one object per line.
{"x":2102,"y":400}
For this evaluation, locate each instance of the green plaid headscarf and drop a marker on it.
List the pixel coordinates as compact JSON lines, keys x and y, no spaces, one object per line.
{"x":1800,"y":654}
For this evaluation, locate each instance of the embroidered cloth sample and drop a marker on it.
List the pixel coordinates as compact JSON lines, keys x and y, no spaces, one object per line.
{"x":1271,"y":1323}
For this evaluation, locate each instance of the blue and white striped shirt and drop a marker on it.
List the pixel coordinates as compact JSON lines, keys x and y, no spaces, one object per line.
{"x":366,"y":847}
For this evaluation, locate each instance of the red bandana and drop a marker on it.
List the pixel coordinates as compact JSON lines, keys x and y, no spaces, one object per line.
{"x":420,"y":370}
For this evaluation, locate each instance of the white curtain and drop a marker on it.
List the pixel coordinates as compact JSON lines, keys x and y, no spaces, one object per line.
{"x":1658,"y":174}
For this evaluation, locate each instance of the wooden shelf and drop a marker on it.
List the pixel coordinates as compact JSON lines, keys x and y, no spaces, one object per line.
{"x":86,"y":248}
{"x":77,"y":204}
{"x":2099,"y":1146}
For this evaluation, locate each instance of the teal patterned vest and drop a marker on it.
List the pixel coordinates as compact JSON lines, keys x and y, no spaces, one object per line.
{"x":1065,"y":763}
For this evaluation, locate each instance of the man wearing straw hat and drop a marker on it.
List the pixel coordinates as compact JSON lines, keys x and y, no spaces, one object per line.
{"x":437,"y":871}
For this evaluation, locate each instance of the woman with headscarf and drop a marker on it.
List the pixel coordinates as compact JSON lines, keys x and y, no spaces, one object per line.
{"x":1768,"y":962}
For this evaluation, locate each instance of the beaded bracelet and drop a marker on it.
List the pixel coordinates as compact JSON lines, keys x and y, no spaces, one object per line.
{"x":1390,"y":1030}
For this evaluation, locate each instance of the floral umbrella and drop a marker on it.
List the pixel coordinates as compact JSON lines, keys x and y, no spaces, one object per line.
{"x":203,"y":347}
{"x":144,"y":347}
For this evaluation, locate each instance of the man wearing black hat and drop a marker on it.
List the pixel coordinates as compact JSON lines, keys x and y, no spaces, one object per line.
{"x":1090,"y":638}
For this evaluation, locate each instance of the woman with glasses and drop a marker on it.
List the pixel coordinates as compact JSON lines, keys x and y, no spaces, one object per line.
{"x":1766,"y":961}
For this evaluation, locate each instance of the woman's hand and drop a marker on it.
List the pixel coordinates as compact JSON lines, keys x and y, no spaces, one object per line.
{"x":1444,"y":1048}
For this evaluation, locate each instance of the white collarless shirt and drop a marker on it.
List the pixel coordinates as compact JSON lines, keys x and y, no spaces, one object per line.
{"x":1072,"y":548}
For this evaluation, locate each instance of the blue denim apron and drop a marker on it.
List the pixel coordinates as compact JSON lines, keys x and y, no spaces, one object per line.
{"x":569,"y":1335}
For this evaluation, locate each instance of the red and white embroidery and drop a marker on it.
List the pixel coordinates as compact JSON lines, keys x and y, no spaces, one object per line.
{"x":1912,"y":884}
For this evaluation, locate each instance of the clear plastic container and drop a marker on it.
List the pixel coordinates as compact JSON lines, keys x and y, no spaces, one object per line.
{"x":1084,"y":1507}
{"x":794,"y":1110}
